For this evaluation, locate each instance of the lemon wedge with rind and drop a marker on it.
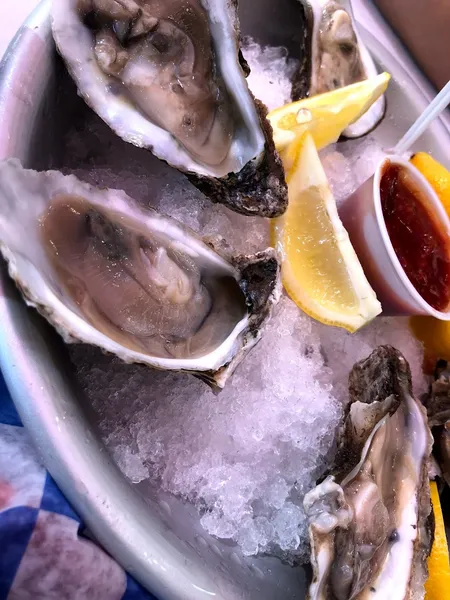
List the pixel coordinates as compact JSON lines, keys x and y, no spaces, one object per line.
{"x":326,"y":115}
{"x":436,"y":174}
{"x":320,"y":269}
{"x":437,"y":586}
{"x":434,"y":334}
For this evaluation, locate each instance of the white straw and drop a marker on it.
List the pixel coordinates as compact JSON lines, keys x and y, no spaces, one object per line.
{"x":433,"y":110}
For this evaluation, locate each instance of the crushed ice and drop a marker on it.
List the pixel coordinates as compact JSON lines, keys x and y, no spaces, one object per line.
{"x":271,"y":73}
{"x":246,"y":457}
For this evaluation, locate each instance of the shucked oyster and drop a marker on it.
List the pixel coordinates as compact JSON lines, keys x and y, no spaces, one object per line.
{"x":105,"y":271}
{"x":334,"y":56}
{"x":369,"y":526}
{"x":166,"y":75}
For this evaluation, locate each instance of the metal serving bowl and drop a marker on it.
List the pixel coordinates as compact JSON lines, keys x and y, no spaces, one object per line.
{"x":158,"y":538}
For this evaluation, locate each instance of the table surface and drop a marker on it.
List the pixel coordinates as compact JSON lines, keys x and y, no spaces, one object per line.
{"x":11,"y":17}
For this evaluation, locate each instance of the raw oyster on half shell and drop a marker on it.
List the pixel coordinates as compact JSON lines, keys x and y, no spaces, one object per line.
{"x":105,"y":271}
{"x":370,"y":526}
{"x":333,"y":56}
{"x":168,"y":76}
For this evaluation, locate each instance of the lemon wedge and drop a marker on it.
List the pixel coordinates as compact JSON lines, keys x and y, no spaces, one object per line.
{"x":436,"y":174}
{"x":320,"y":269}
{"x":437,"y":586}
{"x":327,"y":115}
{"x":433,"y":333}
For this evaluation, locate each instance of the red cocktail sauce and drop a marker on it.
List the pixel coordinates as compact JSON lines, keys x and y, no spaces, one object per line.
{"x":420,"y":244}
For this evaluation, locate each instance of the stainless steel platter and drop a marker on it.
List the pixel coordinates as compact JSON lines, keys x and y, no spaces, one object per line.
{"x":157,"y":539}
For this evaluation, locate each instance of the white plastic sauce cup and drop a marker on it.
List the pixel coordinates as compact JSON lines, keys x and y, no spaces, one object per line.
{"x":362,"y":216}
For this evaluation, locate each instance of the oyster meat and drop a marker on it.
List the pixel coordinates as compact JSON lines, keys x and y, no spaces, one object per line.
{"x":168,"y":76}
{"x":370,"y":525}
{"x":105,"y":271}
{"x":333,"y":56}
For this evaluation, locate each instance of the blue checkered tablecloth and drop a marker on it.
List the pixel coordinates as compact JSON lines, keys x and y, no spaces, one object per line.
{"x":45,"y":551}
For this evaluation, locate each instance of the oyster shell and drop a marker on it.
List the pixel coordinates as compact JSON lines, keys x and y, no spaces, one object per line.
{"x":168,"y":76}
{"x":105,"y":271}
{"x":438,"y":409}
{"x":334,"y":56}
{"x":369,"y":521}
